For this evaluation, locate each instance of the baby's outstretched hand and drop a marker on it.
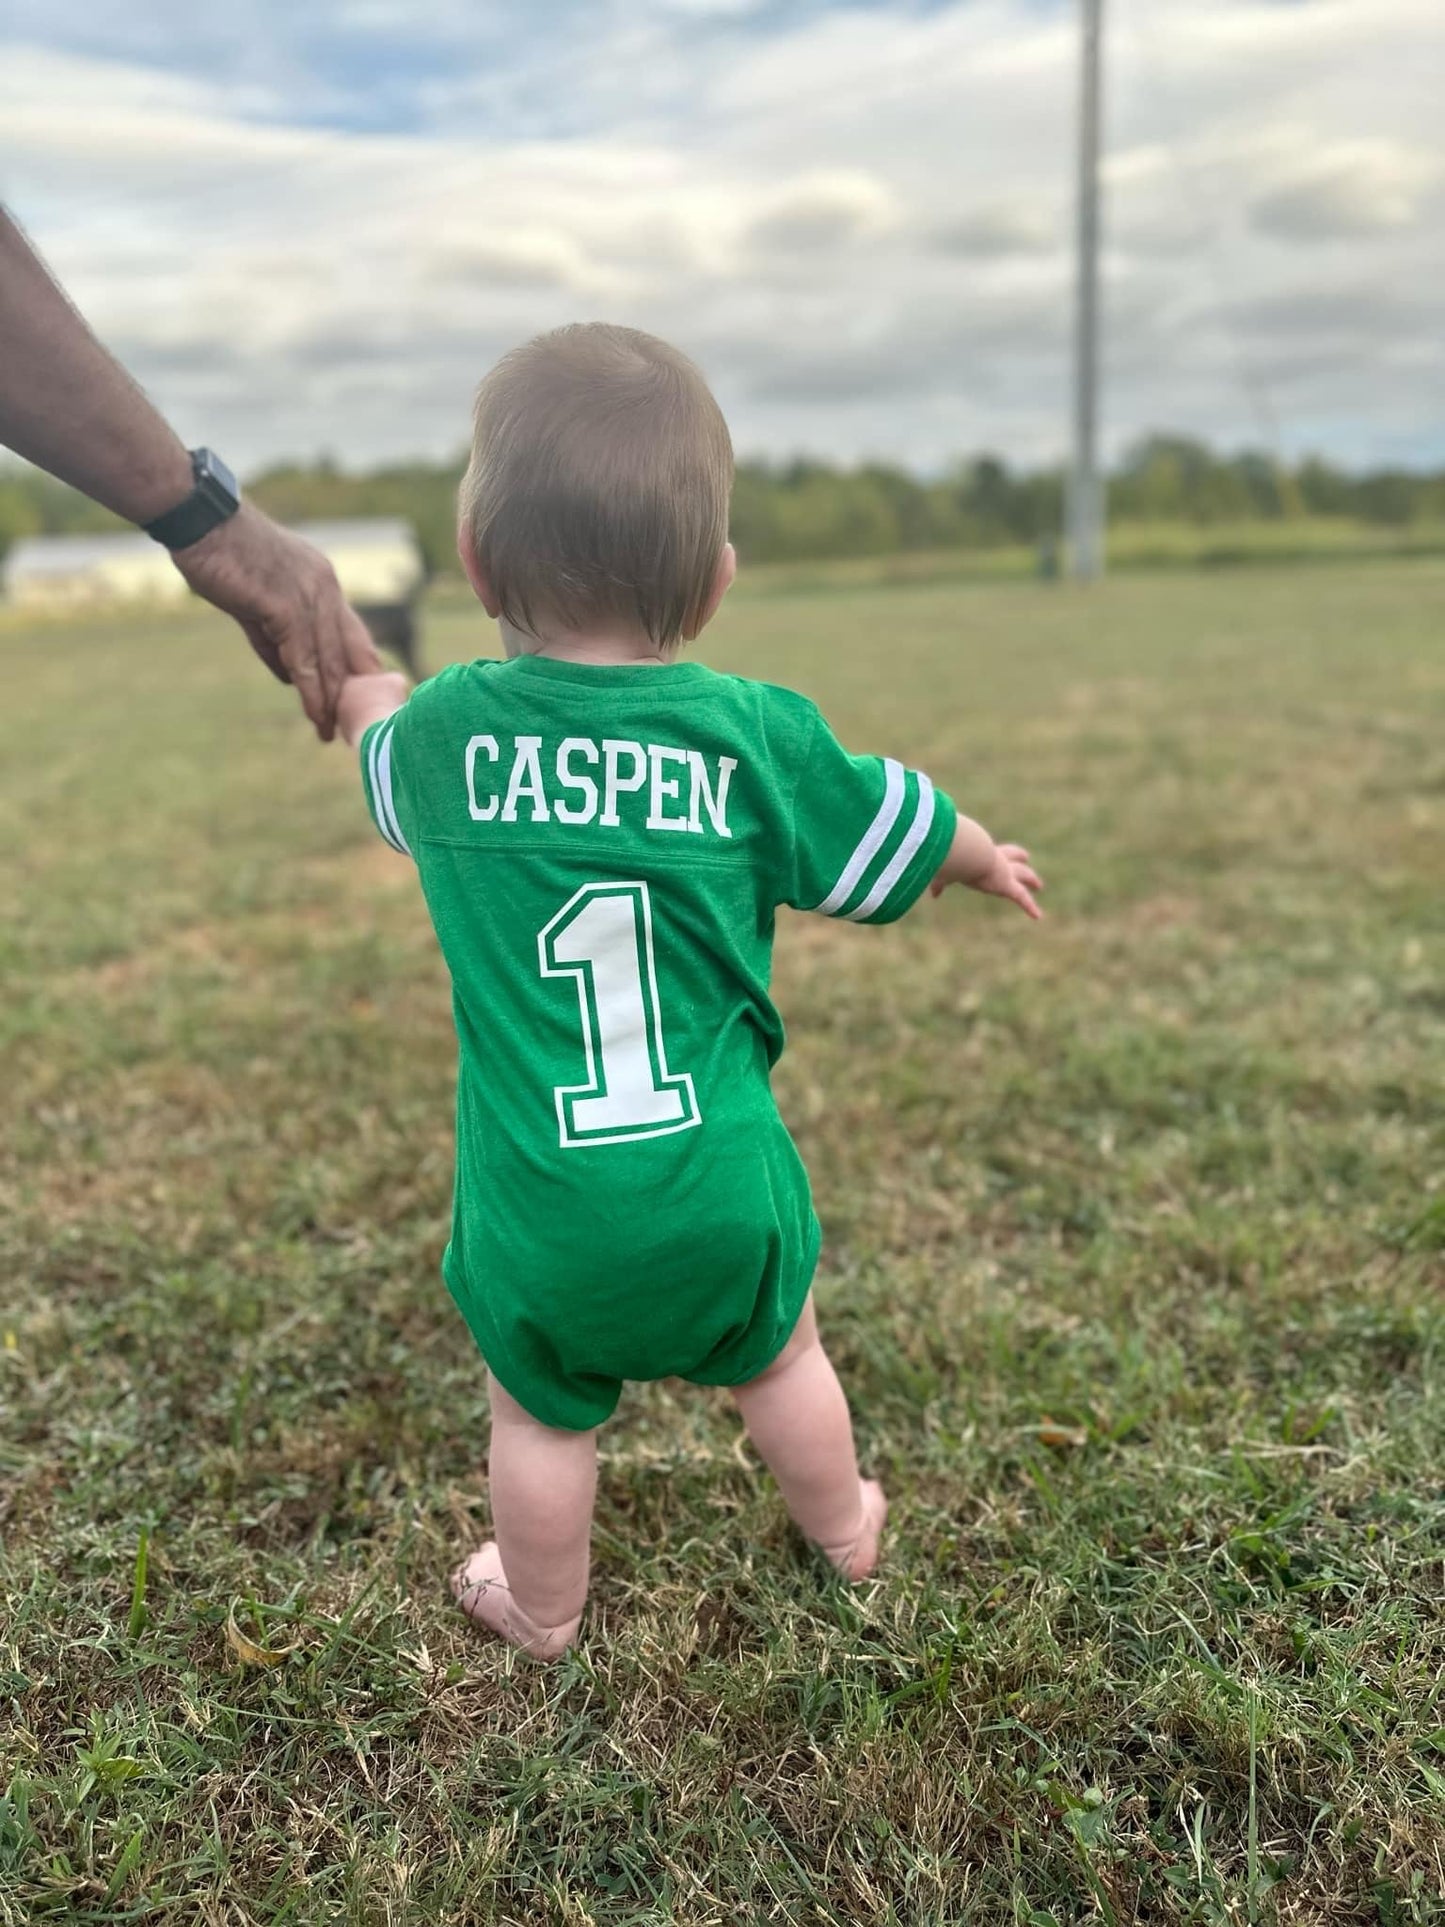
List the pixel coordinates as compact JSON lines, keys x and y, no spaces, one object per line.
{"x":998,"y":869}
{"x":1012,"y":875}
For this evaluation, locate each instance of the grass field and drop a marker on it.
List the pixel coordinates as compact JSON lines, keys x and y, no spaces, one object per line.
{"x":1134,"y":1222}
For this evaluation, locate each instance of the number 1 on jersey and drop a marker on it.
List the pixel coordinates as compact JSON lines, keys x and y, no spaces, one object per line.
{"x":602,"y":937}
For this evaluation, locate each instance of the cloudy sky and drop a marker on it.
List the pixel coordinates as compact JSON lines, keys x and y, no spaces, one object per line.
{"x":311,"y":227}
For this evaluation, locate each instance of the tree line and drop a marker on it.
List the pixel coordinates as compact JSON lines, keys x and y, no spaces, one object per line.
{"x":806,"y":509}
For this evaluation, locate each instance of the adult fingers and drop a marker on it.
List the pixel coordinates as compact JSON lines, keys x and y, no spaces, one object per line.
{"x":327,"y":645}
{"x":362,"y":657}
{"x":311,"y":688}
{"x":265,"y":647}
{"x":343,"y":647}
{"x":330,"y":664}
{"x":318,"y":649}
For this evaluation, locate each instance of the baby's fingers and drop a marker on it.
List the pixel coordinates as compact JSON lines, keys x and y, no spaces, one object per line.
{"x":1019,"y":894}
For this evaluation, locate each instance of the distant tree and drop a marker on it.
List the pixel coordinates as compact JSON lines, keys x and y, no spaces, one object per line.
{"x":1264,"y":487}
{"x":424,"y":492}
{"x":1324,"y":490}
{"x":32,"y":503}
{"x":920,"y":518}
{"x":1387,"y":496}
{"x":804,"y":508}
{"x":1166,"y":478}
{"x":754,"y":512}
{"x":988,"y":500}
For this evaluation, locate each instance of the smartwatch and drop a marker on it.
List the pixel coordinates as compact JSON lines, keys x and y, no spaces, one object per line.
{"x":213,"y":500}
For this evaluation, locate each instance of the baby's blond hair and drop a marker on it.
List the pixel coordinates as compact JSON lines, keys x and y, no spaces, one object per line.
{"x":598,"y":485}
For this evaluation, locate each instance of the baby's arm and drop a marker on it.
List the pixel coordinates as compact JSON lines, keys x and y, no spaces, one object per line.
{"x":974,"y":859}
{"x":868,"y":834}
{"x":365,"y":700}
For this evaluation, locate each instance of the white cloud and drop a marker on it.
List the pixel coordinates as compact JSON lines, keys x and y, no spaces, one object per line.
{"x":528,"y":258}
{"x":859,"y":220}
{"x":819,"y":213}
{"x":1013,"y":226}
{"x":1351,"y":189}
{"x":720,"y":9}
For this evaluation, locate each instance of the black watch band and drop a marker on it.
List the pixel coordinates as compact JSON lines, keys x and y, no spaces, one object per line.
{"x":213,"y":500}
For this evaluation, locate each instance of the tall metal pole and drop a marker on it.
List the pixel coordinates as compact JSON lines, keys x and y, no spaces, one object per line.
{"x":1086,"y":494}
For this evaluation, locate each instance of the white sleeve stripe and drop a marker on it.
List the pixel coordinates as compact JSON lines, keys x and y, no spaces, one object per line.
{"x":874,"y":838}
{"x":378,"y":814}
{"x":371,"y":797}
{"x":373,"y":788}
{"x":388,"y":801}
{"x":910,"y":846}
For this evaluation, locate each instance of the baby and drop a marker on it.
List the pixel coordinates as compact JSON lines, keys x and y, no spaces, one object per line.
{"x":603,"y":835}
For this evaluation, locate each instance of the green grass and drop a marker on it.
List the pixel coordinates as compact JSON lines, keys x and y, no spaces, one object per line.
{"x":1293,"y":538}
{"x":1165,"y":1175}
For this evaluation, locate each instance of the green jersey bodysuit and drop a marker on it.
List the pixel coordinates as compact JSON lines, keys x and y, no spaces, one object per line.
{"x":602,"y":850}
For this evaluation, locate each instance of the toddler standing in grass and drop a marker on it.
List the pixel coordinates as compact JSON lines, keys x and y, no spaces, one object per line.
{"x":603,"y":835}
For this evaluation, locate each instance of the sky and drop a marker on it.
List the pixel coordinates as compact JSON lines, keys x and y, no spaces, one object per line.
{"x":310,"y":229}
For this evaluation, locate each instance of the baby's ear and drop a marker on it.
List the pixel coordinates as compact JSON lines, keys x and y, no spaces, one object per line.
{"x":723,"y":578}
{"x":481,"y":582}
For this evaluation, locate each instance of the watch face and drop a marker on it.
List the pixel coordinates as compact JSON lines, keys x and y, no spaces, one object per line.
{"x":214,"y":498}
{"x":213,"y":475}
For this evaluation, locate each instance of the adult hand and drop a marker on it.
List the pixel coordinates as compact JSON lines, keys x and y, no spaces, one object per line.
{"x":285,"y":595}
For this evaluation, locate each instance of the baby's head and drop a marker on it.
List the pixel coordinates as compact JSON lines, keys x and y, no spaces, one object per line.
{"x":595,"y":504}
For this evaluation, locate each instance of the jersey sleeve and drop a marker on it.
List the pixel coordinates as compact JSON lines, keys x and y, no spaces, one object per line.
{"x":384,"y":780}
{"x":868,"y":834}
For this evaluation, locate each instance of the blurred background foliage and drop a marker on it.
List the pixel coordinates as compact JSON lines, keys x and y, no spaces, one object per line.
{"x":805,"y":509}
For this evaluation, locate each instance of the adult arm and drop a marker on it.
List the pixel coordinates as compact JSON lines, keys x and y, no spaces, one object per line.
{"x":68,"y":406}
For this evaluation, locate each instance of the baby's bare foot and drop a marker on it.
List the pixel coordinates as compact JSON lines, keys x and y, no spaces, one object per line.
{"x":858,"y":1556}
{"x":480,"y":1588}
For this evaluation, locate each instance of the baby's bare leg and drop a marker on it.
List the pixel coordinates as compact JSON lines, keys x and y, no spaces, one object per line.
{"x":530,"y":1583}
{"x":797,"y":1417}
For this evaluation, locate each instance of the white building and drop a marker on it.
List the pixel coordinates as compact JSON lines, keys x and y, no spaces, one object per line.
{"x":378,"y":562}
{"x":61,"y":572}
